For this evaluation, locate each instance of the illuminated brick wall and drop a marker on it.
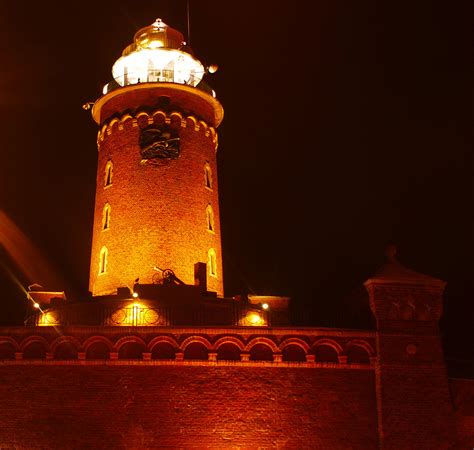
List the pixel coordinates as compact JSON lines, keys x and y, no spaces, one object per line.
{"x":157,"y":213}
{"x":186,"y":407}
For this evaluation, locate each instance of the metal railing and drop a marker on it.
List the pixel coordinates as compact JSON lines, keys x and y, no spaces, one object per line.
{"x":136,"y":316}
{"x":158,"y":76}
{"x":98,"y":314}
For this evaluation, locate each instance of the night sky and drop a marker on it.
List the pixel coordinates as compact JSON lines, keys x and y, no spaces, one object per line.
{"x":346,"y":128}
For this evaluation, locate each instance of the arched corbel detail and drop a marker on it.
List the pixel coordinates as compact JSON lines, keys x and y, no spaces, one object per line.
{"x":65,"y":340}
{"x":193,"y":339}
{"x":33,"y":339}
{"x":94,"y":339}
{"x":262,"y":340}
{"x":160,"y":340}
{"x":123,"y":121}
{"x":328,"y":342}
{"x":228,"y":340}
{"x":103,"y":131}
{"x":362,"y":344}
{"x":110,"y":127}
{"x":128,"y":339}
{"x":9,"y":340}
{"x":295,"y":341}
{"x":203,"y":126}
{"x":192,"y":121}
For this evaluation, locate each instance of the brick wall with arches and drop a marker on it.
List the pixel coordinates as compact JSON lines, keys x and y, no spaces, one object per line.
{"x":175,"y":345}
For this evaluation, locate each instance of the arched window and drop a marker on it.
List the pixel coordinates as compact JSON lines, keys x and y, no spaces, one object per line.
{"x":212,"y":262}
{"x":108,"y":173}
{"x":106,"y":217}
{"x":103,"y":260}
{"x":207,"y":176}
{"x":210,"y":218}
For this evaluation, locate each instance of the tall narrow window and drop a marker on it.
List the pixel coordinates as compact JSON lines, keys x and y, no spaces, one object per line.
{"x":207,"y":176}
{"x":106,"y":217}
{"x":108,"y":173}
{"x":210,"y":218}
{"x":103,"y":260}
{"x":212,"y":261}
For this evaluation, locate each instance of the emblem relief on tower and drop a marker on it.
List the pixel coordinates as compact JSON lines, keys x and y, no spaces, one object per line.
{"x":407,"y":303}
{"x":158,"y":145}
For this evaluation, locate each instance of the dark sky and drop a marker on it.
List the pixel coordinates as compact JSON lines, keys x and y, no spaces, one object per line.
{"x":347,"y":127}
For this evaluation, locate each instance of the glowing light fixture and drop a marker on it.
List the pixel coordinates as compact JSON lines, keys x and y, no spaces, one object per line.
{"x":36,"y":305}
{"x":253,"y":318}
{"x":158,"y":54}
{"x":135,"y":295}
{"x":213,"y":68}
{"x":265,"y":306}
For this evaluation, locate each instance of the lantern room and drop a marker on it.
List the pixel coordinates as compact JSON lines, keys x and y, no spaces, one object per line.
{"x":158,"y":54}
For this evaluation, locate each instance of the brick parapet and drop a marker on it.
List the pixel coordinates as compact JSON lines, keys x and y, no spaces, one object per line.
{"x":277,"y":341}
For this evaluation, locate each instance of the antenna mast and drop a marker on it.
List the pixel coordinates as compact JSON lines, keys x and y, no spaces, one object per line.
{"x":189,"y":26}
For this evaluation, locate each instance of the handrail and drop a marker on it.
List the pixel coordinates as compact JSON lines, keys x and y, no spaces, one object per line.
{"x":155,"y":76}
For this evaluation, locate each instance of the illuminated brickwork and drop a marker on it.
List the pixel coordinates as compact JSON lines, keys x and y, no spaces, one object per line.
{"x":158,"y":213}
{"x":188,"y":407}
{"x":173,"y":366}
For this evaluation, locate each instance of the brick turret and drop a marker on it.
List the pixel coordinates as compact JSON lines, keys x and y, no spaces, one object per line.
{"x":156,"y":200}
{"x":413,"y":400}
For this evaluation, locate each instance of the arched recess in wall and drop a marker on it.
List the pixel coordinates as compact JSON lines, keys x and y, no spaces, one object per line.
{"x":208,"y":176}
{"x":98,"y":347}
{"x":327,"y":350}
{"x":98,"y":350}
{"x":35,"y":350}
{"x":7,"y":350}
{"x":261,"y":352}
{"x":130,"y":347}
{"x":228,"y":351}
{"x":163,"y":347}
{"x":34,"y":347}
{"x":108,"y":175}
{"x":103,"y":260}
{"x":325,"y":353}
{"x":228,"y":348}
{"x":131,"y":350}
{"x":212,"y":262}
{"x":163,"y":350}
{"x":261,"y":349}
{"x":65,"y":347}
{"x":196,"y":351}
{"x":359,"y":352}
{"x":65,"y":350}
{"x":293,"y":353}
{"x":196,"y":348}
{"x":106,"y":217}
{"x":357,"y":355}
{"x":210,"y":219}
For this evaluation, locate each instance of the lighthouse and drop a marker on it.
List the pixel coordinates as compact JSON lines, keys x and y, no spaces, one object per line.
{"x":156,"y":203}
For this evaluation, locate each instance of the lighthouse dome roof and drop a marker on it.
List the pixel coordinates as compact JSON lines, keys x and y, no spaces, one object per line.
{"x":156,"y":35}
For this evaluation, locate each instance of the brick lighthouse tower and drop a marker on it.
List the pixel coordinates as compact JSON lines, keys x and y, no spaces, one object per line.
{"x":156,"y":203}
{"x":172,"y":365}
